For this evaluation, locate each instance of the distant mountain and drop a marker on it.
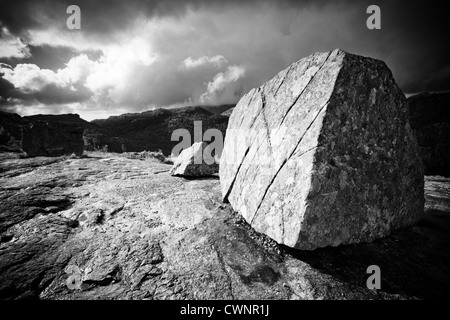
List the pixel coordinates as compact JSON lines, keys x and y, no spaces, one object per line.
{"x":428,"y":108}
{"x":48,"y":135}
{"x":430,"y":120}
{"x":151,"y":130}
{"x":66,"y":118}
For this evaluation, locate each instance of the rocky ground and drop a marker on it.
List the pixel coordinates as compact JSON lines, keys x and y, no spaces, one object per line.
{"x":108,"y":227}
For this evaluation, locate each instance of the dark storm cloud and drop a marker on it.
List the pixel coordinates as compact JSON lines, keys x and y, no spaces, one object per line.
{"x":261,"y":37}
{"x":413,"y":43}
{"x":98,"y":16}
{"x":50,"y":94}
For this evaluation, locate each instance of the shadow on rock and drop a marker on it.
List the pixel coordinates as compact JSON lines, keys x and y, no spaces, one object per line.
{"x":413,"y":261}
{"x":212,"y":177}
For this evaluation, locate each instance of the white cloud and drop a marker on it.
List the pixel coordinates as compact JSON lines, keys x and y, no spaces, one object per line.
{"x":11,"y":46}
{"x":115,"y":69}
{"x":217,"y":60}
{"x":221,"y":88}
{"x":112,"y":77}
{"x":77,"y":70}
{"x":30,"y":78}
{"x":109,"y":76}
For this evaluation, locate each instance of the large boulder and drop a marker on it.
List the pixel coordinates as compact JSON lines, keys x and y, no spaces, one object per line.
{"x":192,"y":163}
{"x":430,"y":120}
{"x":323,"y":154}
{"x":52,"y":139}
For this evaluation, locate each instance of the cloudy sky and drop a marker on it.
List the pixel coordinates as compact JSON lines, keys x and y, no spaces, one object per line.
{"x":131,"y":56}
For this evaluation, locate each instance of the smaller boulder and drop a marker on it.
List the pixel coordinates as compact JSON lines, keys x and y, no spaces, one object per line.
{"x":191,"y":162}
{"x":228,"y":112}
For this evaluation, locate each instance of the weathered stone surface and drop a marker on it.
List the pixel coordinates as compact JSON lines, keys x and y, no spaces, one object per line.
{"x":191,"y":162}
{"x":323,"y":154}
{"x":52,"y":139}
{"x":135,"y":232}
{"x":430,"y":120}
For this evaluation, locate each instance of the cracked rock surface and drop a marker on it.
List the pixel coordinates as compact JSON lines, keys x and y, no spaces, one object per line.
{"x":110,"y":227}
{"x":323,"y":154}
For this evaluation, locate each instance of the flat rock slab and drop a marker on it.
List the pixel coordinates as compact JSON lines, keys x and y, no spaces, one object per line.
{"x":126,"y":229}
{"x":323,"y":154}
